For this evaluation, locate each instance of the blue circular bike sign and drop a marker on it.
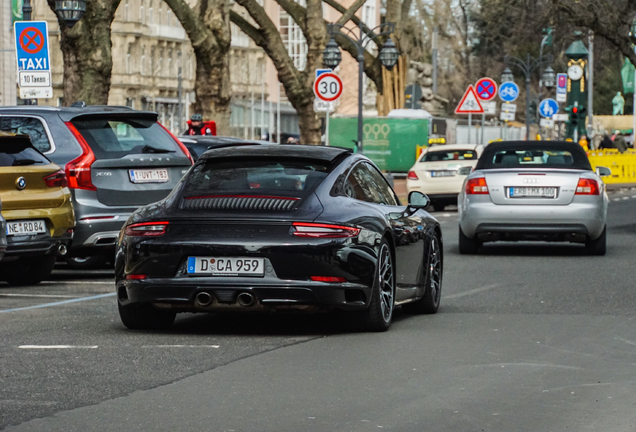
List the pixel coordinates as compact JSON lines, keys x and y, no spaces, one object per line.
{"x":508,"y":92}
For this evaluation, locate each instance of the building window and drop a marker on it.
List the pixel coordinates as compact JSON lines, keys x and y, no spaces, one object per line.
{"x":293,"y":39}
{"x":129,"y":60}
{"x":239,"y":39}
{"x":151,"y":17}
{"x":142,"y":14}
{"x":169,"y":19}
{"x":143,"y":60}
{"x":153,"y":63}
{"x":160,"y":63}
{"x":160,"y":21}
{"x":130,"y":102}
{"x":170,"y":71}
{"x":191,"y":67}
{"x":369,"y":14}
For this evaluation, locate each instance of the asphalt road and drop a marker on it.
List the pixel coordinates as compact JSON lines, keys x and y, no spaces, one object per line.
{"x":529,"y":337}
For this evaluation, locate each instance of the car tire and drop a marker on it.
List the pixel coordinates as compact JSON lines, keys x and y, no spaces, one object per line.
{"x":467,"y":246}
{"x":429,"y":303}
{"x":378,"y":316}
{"x":29,"y":271}
{"x":86,"y":263}
{"x":598,"y":246}
{"x":145,"y":317}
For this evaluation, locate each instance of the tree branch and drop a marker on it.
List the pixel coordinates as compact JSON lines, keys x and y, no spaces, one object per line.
{"x":198,"y":33}
{"x":350,"y":12}
{"x":297,"y":12}
{"x":247,"y":28}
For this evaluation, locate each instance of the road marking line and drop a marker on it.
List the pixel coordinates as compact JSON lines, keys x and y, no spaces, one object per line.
{"x":625,"y":198}
{"x":59,"y":303}
{"x":473,"y":291}
{"x":617,"y":199}
{"x":77,"y":282}
{"x":36,"y":295}
{"x":57,"y":346}
{"x":180,"y":346}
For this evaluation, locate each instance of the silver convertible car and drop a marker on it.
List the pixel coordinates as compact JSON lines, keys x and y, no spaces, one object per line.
{"x":533,"y":190}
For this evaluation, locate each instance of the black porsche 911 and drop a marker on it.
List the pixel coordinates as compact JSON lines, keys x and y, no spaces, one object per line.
{"x":268,"y":228}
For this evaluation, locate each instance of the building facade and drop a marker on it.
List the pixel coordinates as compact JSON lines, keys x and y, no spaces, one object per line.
{"x":154,"y":66}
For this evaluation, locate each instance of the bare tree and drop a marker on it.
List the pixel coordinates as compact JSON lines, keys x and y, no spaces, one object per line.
{"x":298,"y":83}
{"x":612,"y":19}
{"x":208,"y":27}
{"x":87,"y":53}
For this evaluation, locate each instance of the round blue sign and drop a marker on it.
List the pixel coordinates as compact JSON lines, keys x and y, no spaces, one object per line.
{"x":508,"y":91}
{"x":548,"y":107}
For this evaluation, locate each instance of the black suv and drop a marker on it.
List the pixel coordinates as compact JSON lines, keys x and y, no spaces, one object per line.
{"x":116,"y":159}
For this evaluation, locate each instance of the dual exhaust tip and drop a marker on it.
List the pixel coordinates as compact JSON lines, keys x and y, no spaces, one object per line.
{"x":244,"y":299}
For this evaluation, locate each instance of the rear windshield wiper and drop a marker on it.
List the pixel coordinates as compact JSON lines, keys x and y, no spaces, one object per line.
{"x":150,"y":149}
{"x":18,"y":162}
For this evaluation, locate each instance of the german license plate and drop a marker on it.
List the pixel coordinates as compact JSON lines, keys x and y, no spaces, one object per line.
{"x":148,"y":175}
{"x":26,"y":227}
{"x":444,"y":173}
{"x":226,"y":266}
{"x":532,"y":192}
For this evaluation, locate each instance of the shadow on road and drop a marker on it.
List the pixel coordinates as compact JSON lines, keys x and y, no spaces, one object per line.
{"x":526,"y":249}
{"x":266,"y":324}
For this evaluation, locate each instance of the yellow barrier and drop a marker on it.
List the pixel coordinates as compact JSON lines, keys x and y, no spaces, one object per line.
{"x":623,"y":165}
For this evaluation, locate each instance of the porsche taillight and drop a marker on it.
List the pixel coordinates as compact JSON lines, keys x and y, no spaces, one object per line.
{"x":78,"y":171}
{"x":146,"y":229}
{"x":318,"y":230}
{"x":587,"y":187}
{"x":476,"y":186}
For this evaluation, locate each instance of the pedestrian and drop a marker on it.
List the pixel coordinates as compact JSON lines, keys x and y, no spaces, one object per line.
{"x":619,"y":142}
{"x":197,"y":127}
{"x":606,"y":143}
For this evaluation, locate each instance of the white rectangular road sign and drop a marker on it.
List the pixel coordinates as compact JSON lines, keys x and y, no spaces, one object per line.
{"x":35,"y":79}
{"x":507,"y":116}
{"x":508,"y":107}
{"x":321,"y":106}
{"x":546,"y":123}
{"x":490,"y":108}
{"x":561,"y":117}
{"x":36,"y":92}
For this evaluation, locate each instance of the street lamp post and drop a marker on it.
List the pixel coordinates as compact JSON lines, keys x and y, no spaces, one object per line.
{"x":388,"y":55}
{"x":527,"y":67}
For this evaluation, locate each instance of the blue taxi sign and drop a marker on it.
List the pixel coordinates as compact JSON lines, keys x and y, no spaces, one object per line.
{"x":32,"y":45}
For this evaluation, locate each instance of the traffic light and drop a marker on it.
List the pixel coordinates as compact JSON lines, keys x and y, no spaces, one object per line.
{"x":574,"y":117}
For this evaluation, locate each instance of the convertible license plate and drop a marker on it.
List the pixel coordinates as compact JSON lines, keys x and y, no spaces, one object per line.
{"x":148,"y":175}
{"x":444,"y":173}
{"x":226,"y":266}
{"x":532,"y":192}
{"x":26,"y":227}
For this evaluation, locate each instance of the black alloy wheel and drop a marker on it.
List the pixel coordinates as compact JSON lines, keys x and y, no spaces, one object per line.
{"x":377,"y":317}
{"x":430,"y":301}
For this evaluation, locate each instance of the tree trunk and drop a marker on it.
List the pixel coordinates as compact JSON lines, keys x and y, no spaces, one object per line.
{"x":86,"y":50}
{"x":208,"y":27}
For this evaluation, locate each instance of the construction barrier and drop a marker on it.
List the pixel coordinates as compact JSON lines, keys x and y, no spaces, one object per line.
{"x":623,"y":165}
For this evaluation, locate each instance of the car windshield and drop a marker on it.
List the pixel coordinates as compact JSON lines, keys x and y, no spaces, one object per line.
{"x":16,"y":151}
{"x":534,"y":156}
{"x":288,"y":178}
{"x":113,"y":139}
{"x":449,"y":155}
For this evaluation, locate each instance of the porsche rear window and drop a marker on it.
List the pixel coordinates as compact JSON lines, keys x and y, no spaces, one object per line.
{"x":255,"y":177}
{"x":449,"y":155}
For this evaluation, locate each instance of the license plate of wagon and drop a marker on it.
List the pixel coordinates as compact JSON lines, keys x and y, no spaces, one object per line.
{"x":214,"y":266}
{"x":532,"y":192}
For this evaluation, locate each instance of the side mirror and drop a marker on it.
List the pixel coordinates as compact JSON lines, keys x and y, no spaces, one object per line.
{"x":603,"y":171}
{"x":417,"y":200}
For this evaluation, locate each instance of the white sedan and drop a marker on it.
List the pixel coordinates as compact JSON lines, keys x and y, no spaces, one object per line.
{"x":440,"y":171}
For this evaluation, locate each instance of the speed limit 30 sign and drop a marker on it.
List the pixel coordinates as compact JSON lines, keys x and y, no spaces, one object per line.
{"x":328,"y":87}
